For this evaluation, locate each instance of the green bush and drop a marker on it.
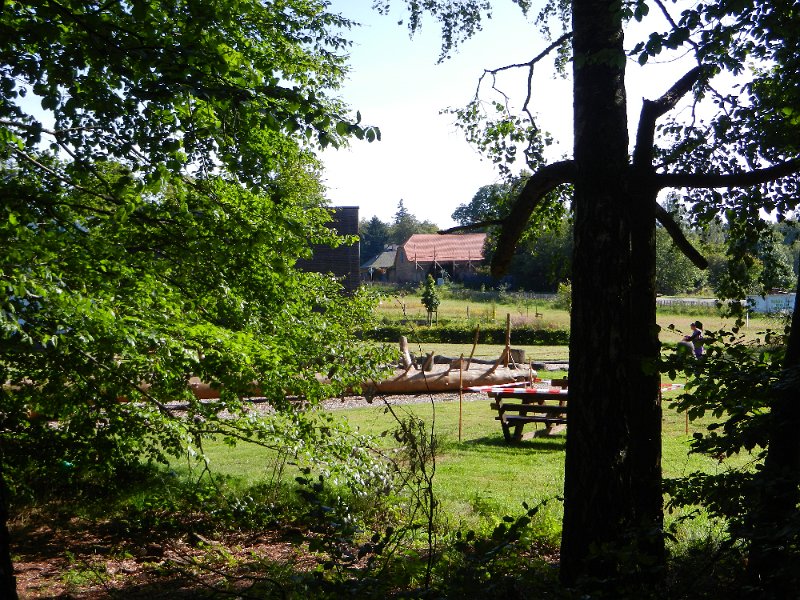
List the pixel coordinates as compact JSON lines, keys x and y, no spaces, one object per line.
{"x":564,"y":296}
{"x":455,"y":333}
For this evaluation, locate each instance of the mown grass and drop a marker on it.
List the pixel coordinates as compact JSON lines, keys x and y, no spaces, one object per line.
{"x":483,"y":475}
{"x":409,"y":307}
{"x":479,"y":477}
{"x":559,"y":319}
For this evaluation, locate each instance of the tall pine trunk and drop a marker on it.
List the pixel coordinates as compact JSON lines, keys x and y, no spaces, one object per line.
{"x":612,"y":493}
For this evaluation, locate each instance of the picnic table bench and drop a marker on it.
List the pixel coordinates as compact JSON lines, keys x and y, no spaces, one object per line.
{"x":520,"y":404}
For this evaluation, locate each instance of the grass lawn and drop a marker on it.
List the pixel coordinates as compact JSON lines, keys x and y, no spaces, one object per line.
{"x":480,"y":478}
{"x":533,"y":353}
{"x":484,"y":476}
{"x":411,"y":307}
{"x":537,"y":313}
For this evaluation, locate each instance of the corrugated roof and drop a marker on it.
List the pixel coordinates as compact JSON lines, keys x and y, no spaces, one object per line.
{"x":384,"y":260}
{"x":427,"y":247}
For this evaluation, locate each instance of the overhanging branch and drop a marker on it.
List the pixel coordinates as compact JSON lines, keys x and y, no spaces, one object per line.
{"x":530,"y":64}
{"x":652,"y":110}
{"x":62,"y":178}
{"x":540,"y":183}
{"x":674,"y":25}
{"x":675,"y":232}
{"x":546,"y":180}
{"x":534,"y":60}
{"x":728,"y":180}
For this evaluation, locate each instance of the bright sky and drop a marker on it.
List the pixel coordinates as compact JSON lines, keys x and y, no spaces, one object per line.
{"x":396,"y":84}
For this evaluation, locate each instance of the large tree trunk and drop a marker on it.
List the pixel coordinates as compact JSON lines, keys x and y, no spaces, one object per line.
{"x":771,"y":564}
{"x":643,"y":398}
{"x":612,"y":481}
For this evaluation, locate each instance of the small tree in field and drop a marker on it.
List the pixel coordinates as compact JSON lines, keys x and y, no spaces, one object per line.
{"x":430,"y":298}
{"x":564,"y":296}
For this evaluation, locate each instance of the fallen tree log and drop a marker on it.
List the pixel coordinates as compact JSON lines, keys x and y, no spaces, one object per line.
{"x":438,"y":374}
{"x":446,"y":378}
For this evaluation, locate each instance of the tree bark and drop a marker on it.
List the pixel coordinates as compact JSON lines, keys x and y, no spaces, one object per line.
{"x":612,"y":490}
{"x":644,"y":400}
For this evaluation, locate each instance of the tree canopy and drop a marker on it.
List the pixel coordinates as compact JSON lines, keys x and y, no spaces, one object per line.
{"x":404,"y":225}
{"x":185,"y":86}
{"x":158,"y":184}
{"x":373,"y":236}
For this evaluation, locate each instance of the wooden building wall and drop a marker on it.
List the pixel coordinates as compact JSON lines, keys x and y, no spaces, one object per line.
{"x":343,"y":262}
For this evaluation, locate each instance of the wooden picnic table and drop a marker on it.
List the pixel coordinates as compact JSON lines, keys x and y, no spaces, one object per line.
{"x":520,"y":404}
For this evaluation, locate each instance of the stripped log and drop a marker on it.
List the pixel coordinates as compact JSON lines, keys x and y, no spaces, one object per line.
{"x":443,"y":378}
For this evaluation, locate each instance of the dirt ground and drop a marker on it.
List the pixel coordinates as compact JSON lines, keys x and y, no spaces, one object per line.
{"x":74,"y":559}
{"x":92,"y":562}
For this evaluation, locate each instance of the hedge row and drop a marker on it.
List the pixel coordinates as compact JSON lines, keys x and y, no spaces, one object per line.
{"x":459,"y":334}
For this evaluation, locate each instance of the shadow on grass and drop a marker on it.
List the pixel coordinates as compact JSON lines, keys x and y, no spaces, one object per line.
{"x":498,"y":441}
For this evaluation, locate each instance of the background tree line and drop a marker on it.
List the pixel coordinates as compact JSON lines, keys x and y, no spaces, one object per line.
{"x":374,"y":234}
{"x":543,"y":257}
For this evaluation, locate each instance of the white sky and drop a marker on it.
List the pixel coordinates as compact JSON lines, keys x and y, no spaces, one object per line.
{"x":396,"y":84}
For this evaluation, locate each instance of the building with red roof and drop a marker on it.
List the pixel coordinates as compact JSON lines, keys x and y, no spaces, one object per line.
{"x":444,"y":256}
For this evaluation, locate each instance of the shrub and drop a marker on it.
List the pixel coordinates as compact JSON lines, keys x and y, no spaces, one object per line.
{"x":456,"y":333}
{"x":564,"y":296}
